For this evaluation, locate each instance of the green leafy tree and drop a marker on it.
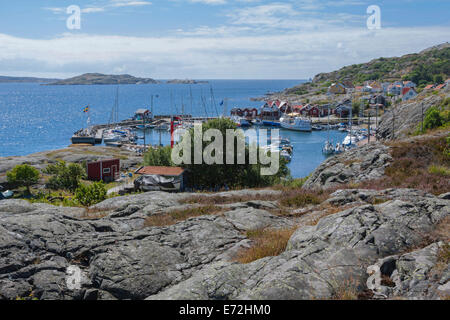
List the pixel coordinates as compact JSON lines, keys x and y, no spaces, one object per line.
{"x":232,"y":175}
{"x":438,"y":79}
{"x":159,"y":157}
{"x":23,"y":176}
{"x":433,"y":119}
{"x":88,"y":195}
{"x":65,"y":176}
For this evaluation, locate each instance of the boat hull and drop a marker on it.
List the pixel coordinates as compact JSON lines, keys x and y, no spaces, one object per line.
{"x":296,"y":128}
{"x":83,"y":140}
{"x":269,"y":123}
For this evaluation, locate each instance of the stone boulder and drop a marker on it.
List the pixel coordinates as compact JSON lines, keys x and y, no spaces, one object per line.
{"x":358,"y":165}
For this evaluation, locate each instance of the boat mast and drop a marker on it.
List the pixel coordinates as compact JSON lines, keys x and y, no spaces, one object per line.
{"x":190,"y":93}
{"x":213,"y":101}
{"x":117,"y":105}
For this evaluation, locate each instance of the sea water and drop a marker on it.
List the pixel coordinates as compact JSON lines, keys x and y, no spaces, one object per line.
{"x":36,"y":117}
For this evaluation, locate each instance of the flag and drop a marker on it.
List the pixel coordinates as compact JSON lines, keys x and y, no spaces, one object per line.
{"x":86,"y":109}
{"x":221,"y":103}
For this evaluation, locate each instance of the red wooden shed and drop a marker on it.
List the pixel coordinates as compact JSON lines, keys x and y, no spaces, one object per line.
{"x":104,"y":170}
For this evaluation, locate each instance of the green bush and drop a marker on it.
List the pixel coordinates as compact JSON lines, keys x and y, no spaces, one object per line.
{"x":232,"y":175}
{"x":65,"y":177}
{"x":432,"y":119}
{"x":23,"y":176}
{"x":159,"y":157}
{"x":88,"y":195}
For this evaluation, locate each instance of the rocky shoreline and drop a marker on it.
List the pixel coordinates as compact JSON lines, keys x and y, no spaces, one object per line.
{"x":121,"y":258}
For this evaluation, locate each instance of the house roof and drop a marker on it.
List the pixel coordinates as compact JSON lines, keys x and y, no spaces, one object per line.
{"x":439,"y":87}
{"x":103,"y":161}
{"x":405,"y":90}
{"x":163,"y":171}
{"x":430,"y":86}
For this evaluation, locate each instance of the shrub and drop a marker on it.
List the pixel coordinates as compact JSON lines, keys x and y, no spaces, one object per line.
{"x":88,"y":195}
{"x":439,"y":170}
{"x":65,"y":177}
{"x":433,"y":119}
{"x":23,"y":176}
{"x":301,"y":200}
{"x":159,"y":157}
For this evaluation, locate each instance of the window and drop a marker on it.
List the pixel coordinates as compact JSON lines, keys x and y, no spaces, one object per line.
{"x":106,"y":170}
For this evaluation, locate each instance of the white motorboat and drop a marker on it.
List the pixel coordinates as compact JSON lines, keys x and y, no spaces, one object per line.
{"x":241,"y":122}
{"x":339,"y":148}
{"x":258,"y":122}
{"x":284,"y":154}
{"x":296,"y":124}
{"x":350,"y":140}
{"x":328,"y":148}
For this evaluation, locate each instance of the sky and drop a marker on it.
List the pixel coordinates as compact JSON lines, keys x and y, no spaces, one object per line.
{"x":212,"y":39}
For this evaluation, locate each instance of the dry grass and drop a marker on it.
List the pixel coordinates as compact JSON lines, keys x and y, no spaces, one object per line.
{"x":175,"y":216}
{"x":301,"y":200}
{"x":348,"y":163}
{"x":327,"y":210}
{"x":215,"y":200}
{"x":94,"y":214}
{"x":421,"y":164}
{"x":266,"y":243}
{"x":289,"y":197}
{"x":345,"y":290}
{"x":375,"y":201}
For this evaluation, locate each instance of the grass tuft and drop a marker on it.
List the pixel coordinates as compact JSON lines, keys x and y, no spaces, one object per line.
{"x":266,"y":243}
{"x":175,"y":216}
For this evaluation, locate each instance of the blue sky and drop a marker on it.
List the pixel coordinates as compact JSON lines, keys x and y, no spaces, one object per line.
{"x":221,"y":39}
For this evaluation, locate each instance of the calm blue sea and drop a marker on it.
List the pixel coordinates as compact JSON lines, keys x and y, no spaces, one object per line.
{"x":35,"y":118}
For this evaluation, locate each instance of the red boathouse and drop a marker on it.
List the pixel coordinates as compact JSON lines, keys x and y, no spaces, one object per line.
{"x":104,"y":170}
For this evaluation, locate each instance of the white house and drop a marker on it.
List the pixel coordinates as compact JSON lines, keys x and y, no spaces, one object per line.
{"x":395,"y":89}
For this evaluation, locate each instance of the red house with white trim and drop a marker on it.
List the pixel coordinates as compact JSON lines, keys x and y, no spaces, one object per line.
{"x":103,"y":170}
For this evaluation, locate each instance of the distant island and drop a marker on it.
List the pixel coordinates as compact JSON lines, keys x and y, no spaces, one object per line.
{"x":4,"y":79}
{"x":186,"y":81}
{"x":103,"y":79}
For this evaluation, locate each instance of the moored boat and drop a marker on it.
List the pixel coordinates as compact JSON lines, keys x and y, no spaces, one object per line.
{"x":296,"y":124}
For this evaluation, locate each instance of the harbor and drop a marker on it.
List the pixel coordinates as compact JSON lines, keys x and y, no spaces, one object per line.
{"x":301,"y":138}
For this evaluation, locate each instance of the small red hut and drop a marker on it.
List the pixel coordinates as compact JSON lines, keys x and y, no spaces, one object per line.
{"x":104,"y":170}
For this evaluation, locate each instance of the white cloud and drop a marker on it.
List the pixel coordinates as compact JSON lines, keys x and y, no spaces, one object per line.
{"x":286,"y":55}
{"x":100,"y":8}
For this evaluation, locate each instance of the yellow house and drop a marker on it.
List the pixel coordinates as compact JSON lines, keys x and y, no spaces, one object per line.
{"x":337,"y":88}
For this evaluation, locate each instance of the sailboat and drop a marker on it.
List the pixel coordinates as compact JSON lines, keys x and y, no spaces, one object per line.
{"x":117,"y":135}
{"x":328,"y":148}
